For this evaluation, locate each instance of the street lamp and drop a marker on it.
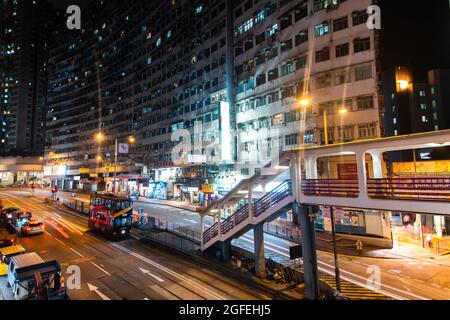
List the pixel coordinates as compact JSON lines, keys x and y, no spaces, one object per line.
{"x":100,"y":137}
{"x":305,"y":103}
{"x":131,"y":140}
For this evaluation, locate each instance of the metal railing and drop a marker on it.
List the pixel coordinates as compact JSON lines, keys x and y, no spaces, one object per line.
{"x":78,"y":206}
{"x":272,"y":198}
{"x":331,"y":188}
{"x":211,"y":232}
{"x":261,"y":205}
{"x":431,"y":189}
{"x":173,"y":235}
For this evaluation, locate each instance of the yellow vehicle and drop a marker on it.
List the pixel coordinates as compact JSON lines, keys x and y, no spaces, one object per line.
{"x":6,"y":254}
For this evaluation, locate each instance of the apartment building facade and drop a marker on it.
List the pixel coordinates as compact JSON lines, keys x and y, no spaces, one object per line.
{"x":148,"y":69}
{"x":318,"y":50}
{"x":25,"y":39}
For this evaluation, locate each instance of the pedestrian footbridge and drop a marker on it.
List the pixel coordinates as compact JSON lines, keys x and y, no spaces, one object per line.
{"x":302,"y":178}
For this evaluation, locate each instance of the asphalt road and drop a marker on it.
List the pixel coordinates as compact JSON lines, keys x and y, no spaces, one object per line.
{"x":403,"y":278}
{"x":121,"y":270}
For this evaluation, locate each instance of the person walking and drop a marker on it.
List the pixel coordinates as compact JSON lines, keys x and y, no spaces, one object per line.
{"x":430,"y":240}
{"x":359,"y":246}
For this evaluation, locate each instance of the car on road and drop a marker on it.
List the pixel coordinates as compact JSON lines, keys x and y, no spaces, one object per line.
{"x":5,"y":256}
{"x":6,"y":238}
{"x":32,"y":227}
{"x":6,"y":215}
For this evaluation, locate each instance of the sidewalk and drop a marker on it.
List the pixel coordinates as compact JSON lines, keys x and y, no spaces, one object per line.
{"x":324,"y":242}
{"x":170,"y":203}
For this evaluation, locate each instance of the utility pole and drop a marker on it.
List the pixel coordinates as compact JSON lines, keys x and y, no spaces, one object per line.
{"x":115,"y":165}
{"x":336,"y":265}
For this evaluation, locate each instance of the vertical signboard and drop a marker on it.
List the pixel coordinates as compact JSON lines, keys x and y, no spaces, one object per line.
{"x":225,"y":132}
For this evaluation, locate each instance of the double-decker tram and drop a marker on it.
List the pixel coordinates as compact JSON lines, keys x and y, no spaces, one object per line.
{"x":110,"y":215}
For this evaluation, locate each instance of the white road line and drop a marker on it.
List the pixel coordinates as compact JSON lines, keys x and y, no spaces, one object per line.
{"x":60,"y":241}
{"x":152,"y":275}
{"x":169,"y":271}
{"x":100,"y":268}
{"x":77,"y":253}
{"x":358,"y":282}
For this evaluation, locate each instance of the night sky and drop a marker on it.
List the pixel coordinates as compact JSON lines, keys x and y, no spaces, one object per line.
{"x":63,"y":4}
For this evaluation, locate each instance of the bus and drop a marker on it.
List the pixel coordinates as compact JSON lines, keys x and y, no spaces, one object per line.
{"x":110,"y":215}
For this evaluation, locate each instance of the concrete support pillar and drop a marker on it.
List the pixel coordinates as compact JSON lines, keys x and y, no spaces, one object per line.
{"x":362,"y":174}
{"x":377,"y":163}
{"x":225,"y":248}
{"x":250,"y":203}
{"x":312,"y":289}
{"x":202,"y":223}
{"x":260,"y":260}
{"x":219,"y":220}
{"x":295,"y":175}
{"x":311,"y":167}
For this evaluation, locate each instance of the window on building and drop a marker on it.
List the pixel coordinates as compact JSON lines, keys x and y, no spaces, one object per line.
{"x":301,"y":37}
{"x":344,"y":104}
{"x":288,"y":92}
{"x":321,"y":29}
{"x":308,"y":137}
{"x":365,"y":102}
{"x":326,"y":107}
{"x":323,"y":55}
{"x":320,"y":5}
{"x":300,"y":12}
{"x":272,"y":30}
{"x":367,"y":130}
{"x":290,"y":117}
{"x":286,"y":45}
{"x":341,"y":77}
{"x":342,"y":50}
{"x":423,"y":106}
{"x":424,"y":119}
{"x":286,"y":21}
{"x":300,"y":63}
{"x":323,"y":80}
{"x":261,"y":79}
{"x":422,"y":93}
{"x":260,"y":37}
{"x":248,"y":44}
{"x":277,"y":119}
{"x":345,"y":133}
{"x":363,"y":73}
{"x":360,"y":45}
{"x":260,"y":16}
{"x":287,"y":69}
{"x":291,"y":140}
{"x":273,"y":74}
{"x":340,"y":24}
{"x":360,"y":17}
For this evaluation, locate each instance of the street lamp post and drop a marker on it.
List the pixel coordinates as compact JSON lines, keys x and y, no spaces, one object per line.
{"x":115,"y":165}
{"x":336,"y":264}
{"x":305,"y":103}
{"x":100,"y":137}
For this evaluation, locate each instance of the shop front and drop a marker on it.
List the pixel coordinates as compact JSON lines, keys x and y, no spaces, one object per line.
{"x":354,"y":222}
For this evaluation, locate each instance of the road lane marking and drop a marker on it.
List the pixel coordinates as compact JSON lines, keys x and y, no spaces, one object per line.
{"x":95,"y":289}
{"x":59,"y":229}
{"x":49,"y":234}
{"x":357,"y":282}
{"x":169,"y":271}
{"x":77,"y":252}
{"x":100,"y":268}
{"x":152,"y":275}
